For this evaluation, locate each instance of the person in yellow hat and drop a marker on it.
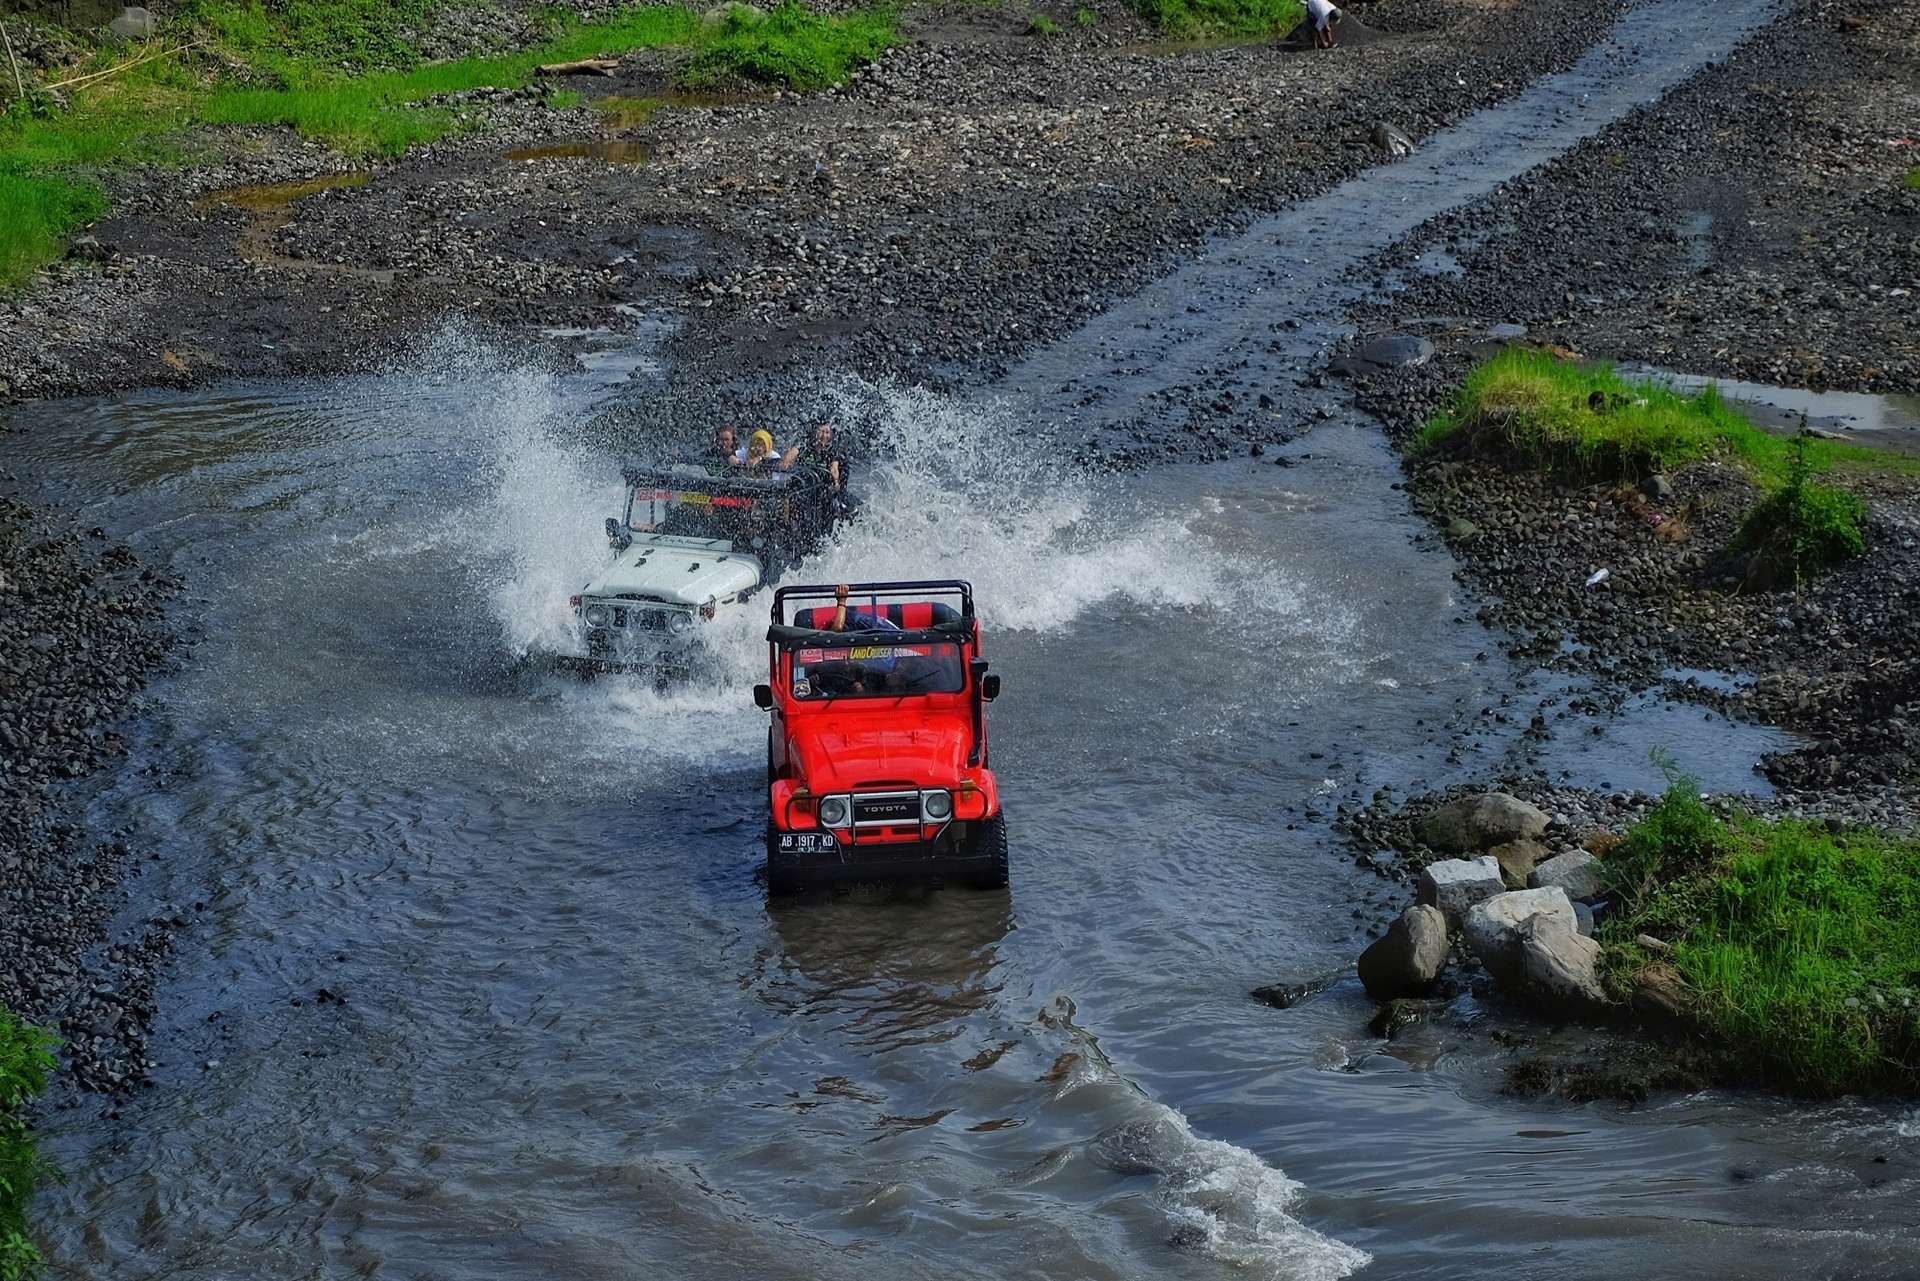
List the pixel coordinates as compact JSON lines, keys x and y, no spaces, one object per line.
{"x":759,"y":451}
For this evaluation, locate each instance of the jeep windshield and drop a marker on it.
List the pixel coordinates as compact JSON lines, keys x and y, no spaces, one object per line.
{"x":691,"y":513}
{"x":878,"y":671}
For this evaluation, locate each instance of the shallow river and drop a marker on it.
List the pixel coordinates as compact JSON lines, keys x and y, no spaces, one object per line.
{"x":565,"y":1033}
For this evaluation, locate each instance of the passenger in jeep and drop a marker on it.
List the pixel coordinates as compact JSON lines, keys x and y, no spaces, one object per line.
{"x":857,"y":620}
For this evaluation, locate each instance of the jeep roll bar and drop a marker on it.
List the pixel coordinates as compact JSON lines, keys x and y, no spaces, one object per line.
{"x":925,"y":587}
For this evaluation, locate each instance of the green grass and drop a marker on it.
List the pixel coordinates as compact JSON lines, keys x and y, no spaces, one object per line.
{"x":1588,"y":421}
{"x":1085,"y":16}
{"x":36,"y":214}
{"x":25,"y":1058}
{"x":791,"y":46}
{"x":1913,"y":178}
{"x":1041,"y":25}
{"x":1801,"y":526}
{"x":342,"y":72}
{"x":1801,"y":946}
{"x":1222,"y":17}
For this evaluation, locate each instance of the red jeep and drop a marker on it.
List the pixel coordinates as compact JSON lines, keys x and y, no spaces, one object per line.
{"x":877,"y":756}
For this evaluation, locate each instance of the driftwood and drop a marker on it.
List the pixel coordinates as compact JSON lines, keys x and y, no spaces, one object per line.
{"x":18,"y":88}
{"x":114,"y":71}
{"x":584,"y":67}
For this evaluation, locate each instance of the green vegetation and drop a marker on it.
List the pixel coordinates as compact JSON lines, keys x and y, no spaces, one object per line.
{"x":1801,"y":526}
{"x":1801,"y":946}
{"x":1085,"y":16}
{"x":343,"y":72}
{"x":1041,"y":25}
{"x":26,"y":1055}
{"x":1913,"y":178}
{"x":36,"y":214}
{"x":1586,"y":420}
{"x":790,"y":45}
{"x":1222,"y":17}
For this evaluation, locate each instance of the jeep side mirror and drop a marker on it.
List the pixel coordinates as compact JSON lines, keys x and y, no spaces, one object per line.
{"x":619,"y":537}
{"x":763,"y":697}
{"x":990,"y":687}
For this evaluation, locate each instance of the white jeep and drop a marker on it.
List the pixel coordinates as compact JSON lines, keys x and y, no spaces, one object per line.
{"x":691,"y":545}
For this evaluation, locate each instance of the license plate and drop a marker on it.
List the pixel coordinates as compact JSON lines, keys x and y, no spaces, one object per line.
{"x":808,"y":843}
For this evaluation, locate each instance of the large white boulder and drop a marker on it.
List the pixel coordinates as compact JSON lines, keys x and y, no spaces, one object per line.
{"x":1455,"y":884}
{"x":1407,"y":959}
{"x":1481,"y":822}
{"x":1493,"y":926}
{"x":1558,"y":964}
{"x":1577,"y":872}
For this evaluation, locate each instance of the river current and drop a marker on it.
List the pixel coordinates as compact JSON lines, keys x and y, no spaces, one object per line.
{"x":483,"y":984}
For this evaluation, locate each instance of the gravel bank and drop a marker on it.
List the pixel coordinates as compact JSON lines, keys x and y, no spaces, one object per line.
{"x":977,"y":190}
{"x":82,"y":628}
{"x":1753,"y":225}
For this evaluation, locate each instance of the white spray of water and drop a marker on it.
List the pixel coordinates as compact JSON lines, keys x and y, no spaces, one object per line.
{"x":954,"y":489}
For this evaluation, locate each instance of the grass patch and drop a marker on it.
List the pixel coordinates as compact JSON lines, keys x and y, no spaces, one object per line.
{"x":1041,"y":25}
{"x":356,"y":35}
{"x":1802,"y":526}
{"x":26,"y":1056}
{"x":565,"y":99}
{"x":1913,"y":178}
{"x":36,"y":214}
{"x":1801,"y":946}
{"x":1085,"y":16}
{"x":791,"y":46}
{"x":1222,"y":17}
{"x":627,"y":113}
{"x":1588,"y":421}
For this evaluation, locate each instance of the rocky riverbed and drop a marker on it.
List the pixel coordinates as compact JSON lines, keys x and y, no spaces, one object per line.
{"x":1756,"y":224}
{"x":82,"y":628}
{"x":978,"y":189}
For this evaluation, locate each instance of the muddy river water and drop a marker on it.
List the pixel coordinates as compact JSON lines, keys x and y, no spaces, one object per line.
{"x":484,"y":984}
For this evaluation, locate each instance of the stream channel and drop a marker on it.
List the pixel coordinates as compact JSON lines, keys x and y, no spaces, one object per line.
{"x":564,"y":1031}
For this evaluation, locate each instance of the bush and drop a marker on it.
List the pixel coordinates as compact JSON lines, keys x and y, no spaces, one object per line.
{"x":26,"y":1056}
{"x":1800,"y":527}
{"x":1800,"y":944}
{"x":791,"y":46}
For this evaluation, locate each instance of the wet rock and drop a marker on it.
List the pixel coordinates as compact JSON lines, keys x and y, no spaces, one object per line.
{"x":1558,"y":964}
{"x":1492,"y":928}
{"x":1454,"y":885}
{"x":1657,"y":486}
{"x":1481,"y":822}
{"x":1517,"y":860}
{"x":1397,"y":1016}
{"x":1408,"y":958}
{"x":1577,"y":872}
{"x":1391,"y":140}
{"x":1661,"y":996}
{"x":1462,"y":530}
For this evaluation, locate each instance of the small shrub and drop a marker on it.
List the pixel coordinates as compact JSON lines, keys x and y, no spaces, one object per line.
{"x":791,"y":46}
{"x":26,"y":1056}
{"x":1085,"y":16}
{"x":1913,"y":178}
{"x":1041,"y":25}
{"x":1801,"y":527}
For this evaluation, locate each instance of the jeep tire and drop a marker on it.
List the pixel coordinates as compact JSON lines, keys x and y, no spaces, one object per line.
{"x":988,"y":841}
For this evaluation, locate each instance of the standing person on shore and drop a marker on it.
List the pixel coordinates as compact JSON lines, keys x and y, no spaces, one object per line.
{"x":1325,"y":16}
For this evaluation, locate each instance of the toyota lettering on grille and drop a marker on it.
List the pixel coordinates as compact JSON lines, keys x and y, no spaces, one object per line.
{"x":890,"y":809}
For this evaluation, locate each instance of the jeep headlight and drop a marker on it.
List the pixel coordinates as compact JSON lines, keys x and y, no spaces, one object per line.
{"x":596,"y":615}
{"x":936,"y":807}
{"x":834,"y":811}
{"x":679,"y":622}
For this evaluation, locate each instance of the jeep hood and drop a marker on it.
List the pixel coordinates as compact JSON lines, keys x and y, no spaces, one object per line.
{"x":681,"y":573}
{"x":839,"y":757}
